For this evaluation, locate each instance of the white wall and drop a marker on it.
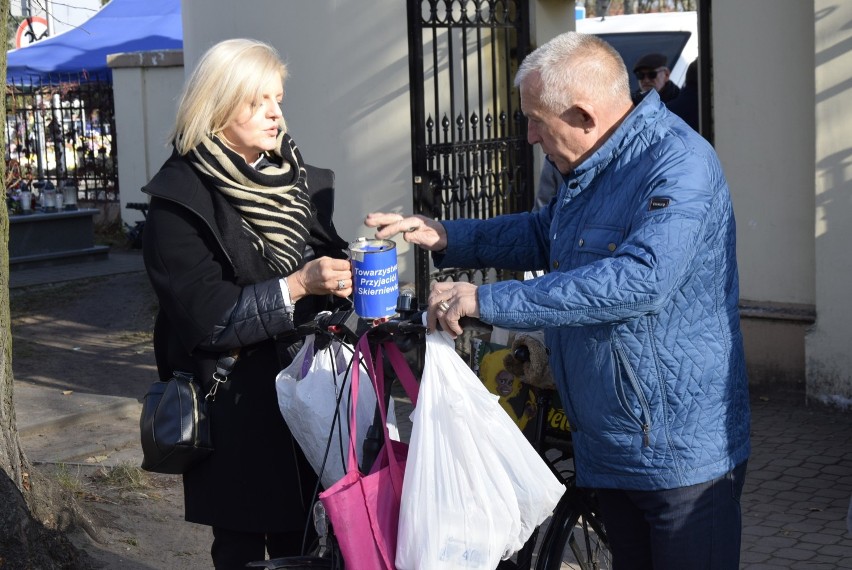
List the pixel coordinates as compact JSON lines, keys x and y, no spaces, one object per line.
{"x":829,"y":344}
{"x":146,"y":87}
{"x":764,"y":95}
{"x":346,"y":101}
{"x":782,"y":76}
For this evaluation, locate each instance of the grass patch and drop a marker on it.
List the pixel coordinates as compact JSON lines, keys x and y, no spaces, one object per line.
{"x":136,"y":336}
{"x":69,"y":481}
{"x":123,"y":477}
{"x":112,"y":234}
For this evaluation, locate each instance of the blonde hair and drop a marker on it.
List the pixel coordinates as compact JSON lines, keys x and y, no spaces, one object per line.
{"x":229,"y":75}
{"x":574,"y":66}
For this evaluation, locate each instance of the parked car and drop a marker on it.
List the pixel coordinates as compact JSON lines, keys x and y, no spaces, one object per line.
{"x":674,"y":34}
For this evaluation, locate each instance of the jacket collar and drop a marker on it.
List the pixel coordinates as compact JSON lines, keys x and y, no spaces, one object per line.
{"x":648,"y":111}
{"x":178,"y":182}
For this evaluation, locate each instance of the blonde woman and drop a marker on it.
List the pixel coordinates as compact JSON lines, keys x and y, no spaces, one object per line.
{"x":239,"y":244}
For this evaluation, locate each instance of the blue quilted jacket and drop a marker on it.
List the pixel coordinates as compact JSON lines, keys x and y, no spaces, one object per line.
{"x":639,"y":308}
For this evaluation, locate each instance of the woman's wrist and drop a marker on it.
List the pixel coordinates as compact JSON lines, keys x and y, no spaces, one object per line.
{"x":289,"y":301}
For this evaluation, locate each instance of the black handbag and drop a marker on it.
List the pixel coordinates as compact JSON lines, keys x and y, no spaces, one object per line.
{"x":175,"y":421}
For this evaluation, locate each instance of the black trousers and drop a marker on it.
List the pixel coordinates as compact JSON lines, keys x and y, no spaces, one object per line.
{"x":232,"y":549}
{"x":697,"y":527}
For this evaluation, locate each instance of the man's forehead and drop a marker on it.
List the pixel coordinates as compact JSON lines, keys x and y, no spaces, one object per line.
{"x":531,"y":93}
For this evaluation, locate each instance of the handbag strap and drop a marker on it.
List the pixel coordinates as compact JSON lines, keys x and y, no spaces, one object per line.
{"x":357,"y":355}
{"x":375,"y":371}
{"x":224,"y":367}
{"x":402,"y":370}
{"x":409,"y":384}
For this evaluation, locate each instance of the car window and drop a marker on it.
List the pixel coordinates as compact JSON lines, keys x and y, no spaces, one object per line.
{"x":633,"y":45}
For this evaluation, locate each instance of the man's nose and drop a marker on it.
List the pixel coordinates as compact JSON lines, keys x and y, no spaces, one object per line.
{"x":532,"y":134}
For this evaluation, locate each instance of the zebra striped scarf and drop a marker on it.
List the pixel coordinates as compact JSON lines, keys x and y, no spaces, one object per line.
{"x":273,"y":203}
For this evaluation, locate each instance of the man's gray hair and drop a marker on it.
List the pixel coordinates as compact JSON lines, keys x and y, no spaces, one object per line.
{"x":575,"y":66}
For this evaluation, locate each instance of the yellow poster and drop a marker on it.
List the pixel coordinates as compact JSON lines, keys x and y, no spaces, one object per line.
{"x":516,"y":397}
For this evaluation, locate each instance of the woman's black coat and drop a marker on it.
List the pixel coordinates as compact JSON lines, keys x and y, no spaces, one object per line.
{"x":257,"y":479}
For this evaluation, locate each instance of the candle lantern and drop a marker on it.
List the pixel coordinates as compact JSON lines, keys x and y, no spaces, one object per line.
{"x":26,"y":202}
{"x":49,"y":197}
{"x":69,"y":195}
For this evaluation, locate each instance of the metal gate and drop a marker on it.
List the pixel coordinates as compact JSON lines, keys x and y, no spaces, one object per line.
{"x":470,"y":158}
{"x":60,"y":132}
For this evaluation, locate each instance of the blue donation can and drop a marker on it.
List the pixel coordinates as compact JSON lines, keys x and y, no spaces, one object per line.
{"x":375,"y":277}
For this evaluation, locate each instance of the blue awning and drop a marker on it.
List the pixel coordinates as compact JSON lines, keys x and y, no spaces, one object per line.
{"x":120,"y":26}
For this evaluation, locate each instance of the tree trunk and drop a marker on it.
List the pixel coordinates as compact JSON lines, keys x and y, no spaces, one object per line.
{"x":33,"y":513}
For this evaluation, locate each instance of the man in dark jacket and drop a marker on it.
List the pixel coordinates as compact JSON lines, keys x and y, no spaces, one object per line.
{"x":685,"y":105}
{"x":652,"y":72}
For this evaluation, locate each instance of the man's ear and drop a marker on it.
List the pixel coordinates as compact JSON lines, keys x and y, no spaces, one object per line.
{"x":584,"y":117}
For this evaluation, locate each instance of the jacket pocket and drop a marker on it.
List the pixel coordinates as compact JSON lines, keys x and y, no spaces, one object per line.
{"x":629,"y":392}
{"x":600,"y":240}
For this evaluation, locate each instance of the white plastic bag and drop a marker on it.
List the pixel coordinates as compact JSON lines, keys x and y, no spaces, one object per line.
{"x":308,"y":392}
{"x":474,"y":488}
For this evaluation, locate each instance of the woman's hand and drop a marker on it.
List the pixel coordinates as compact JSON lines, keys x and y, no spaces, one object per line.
{"x":419,"y":230}
{"x":322,"y":276}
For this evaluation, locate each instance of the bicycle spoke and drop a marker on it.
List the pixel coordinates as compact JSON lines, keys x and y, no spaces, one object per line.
{"x":585,"y":549}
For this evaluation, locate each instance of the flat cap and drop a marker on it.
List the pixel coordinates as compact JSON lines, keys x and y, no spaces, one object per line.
{"x":651,"y":61}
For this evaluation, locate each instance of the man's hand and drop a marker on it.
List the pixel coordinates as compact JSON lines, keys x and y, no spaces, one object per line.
{"x":419,"y":230}
{"x":450,"y":301}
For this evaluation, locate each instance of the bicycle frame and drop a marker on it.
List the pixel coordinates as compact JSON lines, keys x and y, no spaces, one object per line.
{"x":576,"y":506}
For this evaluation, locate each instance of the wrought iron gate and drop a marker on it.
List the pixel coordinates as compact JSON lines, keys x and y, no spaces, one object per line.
{"x":470,"y":158}
{"x":60,"y":131}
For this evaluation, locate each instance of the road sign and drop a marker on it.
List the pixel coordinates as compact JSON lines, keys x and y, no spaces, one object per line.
{"x":31,"y":30}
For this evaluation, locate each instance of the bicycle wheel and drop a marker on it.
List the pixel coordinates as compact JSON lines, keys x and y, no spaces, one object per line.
{"x":575,"y":537}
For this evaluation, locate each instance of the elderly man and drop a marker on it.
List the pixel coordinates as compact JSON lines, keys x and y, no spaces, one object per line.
{"x":652,"y":72}
{"x":639,"y":307}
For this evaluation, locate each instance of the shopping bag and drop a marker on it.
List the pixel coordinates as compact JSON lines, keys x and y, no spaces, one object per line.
{"x":314,"y":398}
{"x":364,"y":509}
{"x":474,"y":488}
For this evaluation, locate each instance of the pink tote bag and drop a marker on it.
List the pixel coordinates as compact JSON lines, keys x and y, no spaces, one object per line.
{"x":364,"y":509}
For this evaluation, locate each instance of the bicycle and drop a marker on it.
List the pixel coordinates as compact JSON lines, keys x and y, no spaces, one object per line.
{"x":134,"y":232}
{"x":573,"y":537}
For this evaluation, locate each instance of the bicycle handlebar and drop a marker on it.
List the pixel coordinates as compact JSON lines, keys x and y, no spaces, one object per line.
{"x":404,"y":327}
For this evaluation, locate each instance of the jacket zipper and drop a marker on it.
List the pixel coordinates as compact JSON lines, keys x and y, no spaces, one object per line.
{"x":645,"y":421}
{"x":195,"y":418}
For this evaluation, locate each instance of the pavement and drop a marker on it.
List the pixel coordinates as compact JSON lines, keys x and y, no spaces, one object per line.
{"x":795,"y":500}
{"x":59,"y":418}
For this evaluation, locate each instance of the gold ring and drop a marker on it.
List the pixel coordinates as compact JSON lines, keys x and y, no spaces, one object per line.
{"x":341,"y":284}
{"x":443,"y":306}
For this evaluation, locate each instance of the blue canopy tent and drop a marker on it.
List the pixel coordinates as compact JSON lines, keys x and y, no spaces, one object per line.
{"x":120,"y":26}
